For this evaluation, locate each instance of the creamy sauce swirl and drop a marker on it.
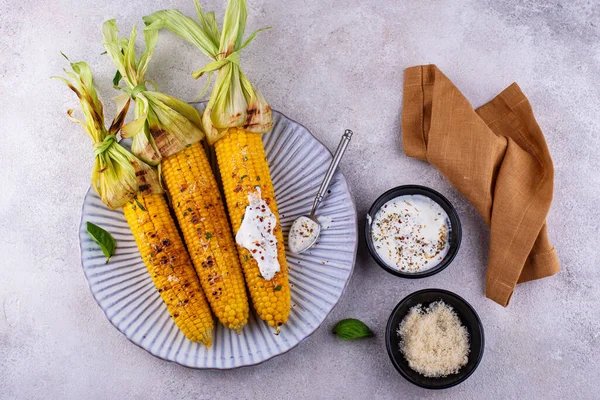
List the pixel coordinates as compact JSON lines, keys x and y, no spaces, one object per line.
{"x":256,"y":235}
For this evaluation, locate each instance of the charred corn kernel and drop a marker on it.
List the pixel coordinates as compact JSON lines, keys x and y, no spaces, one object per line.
{"x":169,"y":265}
{"x":243,"y":166}
{"x":201,"y":214}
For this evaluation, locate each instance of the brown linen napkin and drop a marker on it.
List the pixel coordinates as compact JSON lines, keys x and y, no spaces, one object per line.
{"x":496,"y":156}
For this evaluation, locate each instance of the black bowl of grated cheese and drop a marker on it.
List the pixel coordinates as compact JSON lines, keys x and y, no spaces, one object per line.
{"x":435,"y":339}
{"x":413,"y":231}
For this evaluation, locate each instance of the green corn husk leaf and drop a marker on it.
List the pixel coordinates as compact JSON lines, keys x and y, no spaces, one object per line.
{"x":171,"y":123}
{"x":259,"y":117}
{"x":187,"y":28}
{"x":163,"y":125}
{"x":143,"y":143}
{"x":234,"y":25}
{"x":209,"y":24}
{"x":117,"y":175}
{"x":234,"y":101}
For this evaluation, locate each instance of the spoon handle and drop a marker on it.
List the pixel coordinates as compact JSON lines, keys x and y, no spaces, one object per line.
{"x":332,"y":167}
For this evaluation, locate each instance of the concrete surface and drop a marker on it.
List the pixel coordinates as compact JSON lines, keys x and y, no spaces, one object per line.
{"x":329,"y":65}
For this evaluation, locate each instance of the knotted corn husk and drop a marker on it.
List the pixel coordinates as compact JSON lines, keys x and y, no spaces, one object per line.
{"x":118,"y":176}
{"x":163,"y":124}
{"x":234,"y":101}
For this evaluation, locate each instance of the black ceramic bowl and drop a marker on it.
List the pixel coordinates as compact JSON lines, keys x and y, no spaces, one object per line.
{"x":455,"y":228}
{"x":469,"y":319}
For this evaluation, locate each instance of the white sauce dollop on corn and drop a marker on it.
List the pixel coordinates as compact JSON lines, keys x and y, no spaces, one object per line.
{"x":256,"y":235}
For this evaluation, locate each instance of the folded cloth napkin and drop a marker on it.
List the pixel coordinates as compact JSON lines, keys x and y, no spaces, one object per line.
{"x":496,"y":156}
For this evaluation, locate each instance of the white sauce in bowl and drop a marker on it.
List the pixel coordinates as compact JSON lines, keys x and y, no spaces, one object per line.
{"x":256,"y":235}
{"x":411,"y":233}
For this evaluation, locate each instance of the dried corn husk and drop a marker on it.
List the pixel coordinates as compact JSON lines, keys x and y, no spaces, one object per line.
{"x":234,"y":102}
{"x":118,"y":175}
{"x":163,"y":125}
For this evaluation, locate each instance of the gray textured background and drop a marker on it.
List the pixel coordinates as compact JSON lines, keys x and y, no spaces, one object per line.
{"x":329,"y":65}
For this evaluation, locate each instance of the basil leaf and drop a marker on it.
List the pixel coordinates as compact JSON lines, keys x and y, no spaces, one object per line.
{"x":104,"y":239}
{"x":348,"y":329}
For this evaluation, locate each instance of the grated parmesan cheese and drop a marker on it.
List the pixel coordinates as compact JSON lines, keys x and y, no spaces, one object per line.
{"x":433,"y":340}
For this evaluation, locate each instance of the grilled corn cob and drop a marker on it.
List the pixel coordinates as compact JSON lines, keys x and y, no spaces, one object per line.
{"x":169,"y":129}
{"x":123,"y":180}
{"x":169,"y":265}
{"x":234,"y":118}
{"x":243,"y":166}
{"x":201,"y":214}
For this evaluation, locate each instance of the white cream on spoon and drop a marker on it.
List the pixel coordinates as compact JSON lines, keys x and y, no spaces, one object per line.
{"x":303,"y":233}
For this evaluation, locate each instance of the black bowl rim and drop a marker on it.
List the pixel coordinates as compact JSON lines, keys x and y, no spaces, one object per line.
{"x":454,"y":247}
{"x":388,"y":333}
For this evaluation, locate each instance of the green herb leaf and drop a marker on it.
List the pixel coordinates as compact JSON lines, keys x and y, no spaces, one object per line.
{"x":104,"y":239}
{"x":278,"y":287}
{"x":245,"y":257}
{"x":349,"y":329}
{"x":117,"y":77}
{"x":140,"y":205}
{"x":242,"y":178}
{"x":208,"y":235}
{"x":258,"y":178}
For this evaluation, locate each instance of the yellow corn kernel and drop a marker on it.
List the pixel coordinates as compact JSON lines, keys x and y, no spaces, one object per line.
{"x":243,"y":166}
{"x":169,"y":265}
{"x":198,"y":206}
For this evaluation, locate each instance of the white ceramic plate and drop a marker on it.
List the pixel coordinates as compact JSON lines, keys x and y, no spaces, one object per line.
{"x":126,"y":294}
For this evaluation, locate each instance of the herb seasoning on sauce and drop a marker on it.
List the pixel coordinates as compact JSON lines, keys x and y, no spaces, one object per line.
{"x":411,"y":233}
{"x":303,"y":233}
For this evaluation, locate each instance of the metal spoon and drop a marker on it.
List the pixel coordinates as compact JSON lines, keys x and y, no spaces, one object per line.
{"x":308,"y":228}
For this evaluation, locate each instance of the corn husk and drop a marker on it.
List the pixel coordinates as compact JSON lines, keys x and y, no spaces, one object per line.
{"x":234,"y":101}
{"x":163,"y":124}
{"x":118,"y":176}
